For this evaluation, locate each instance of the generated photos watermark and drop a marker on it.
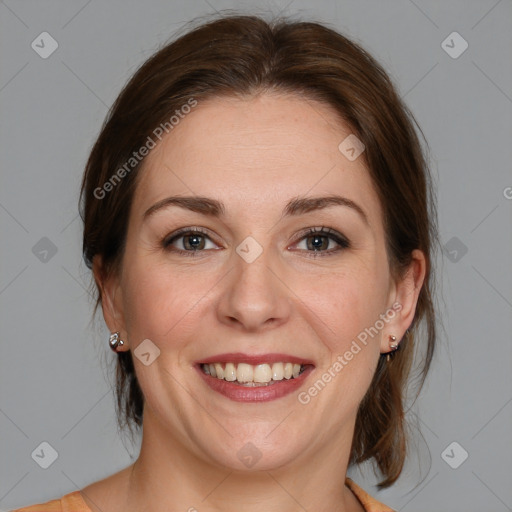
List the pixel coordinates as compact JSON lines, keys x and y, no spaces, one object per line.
{"x":342,"y":360}
{"x":137,"y":156}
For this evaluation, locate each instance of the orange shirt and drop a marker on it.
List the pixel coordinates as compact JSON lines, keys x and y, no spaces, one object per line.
{"x":73,"y":502}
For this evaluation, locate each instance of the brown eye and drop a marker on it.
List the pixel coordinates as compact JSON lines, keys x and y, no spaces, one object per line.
{"x":193,"y":242}
{"x":189,"y":240}
{"x":317,"y":242}
{"x":322,"y":241}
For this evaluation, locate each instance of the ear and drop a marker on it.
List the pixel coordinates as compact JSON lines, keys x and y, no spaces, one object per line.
{"x":404,"y":297}
{"x":111,"y":300}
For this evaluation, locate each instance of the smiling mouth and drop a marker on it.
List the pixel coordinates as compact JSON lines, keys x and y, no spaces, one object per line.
{"x":248,"y":375}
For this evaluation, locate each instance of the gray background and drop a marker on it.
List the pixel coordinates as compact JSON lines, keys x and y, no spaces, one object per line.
{"x":55,"y":363}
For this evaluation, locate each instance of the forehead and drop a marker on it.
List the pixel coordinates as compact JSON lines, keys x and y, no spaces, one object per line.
{"x":255,"y":151}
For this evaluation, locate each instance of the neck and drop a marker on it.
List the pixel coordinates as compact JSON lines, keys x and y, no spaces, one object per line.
{"x":168,"y":476}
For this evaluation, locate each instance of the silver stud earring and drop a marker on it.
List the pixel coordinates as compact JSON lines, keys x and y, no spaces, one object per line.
{"x":393,"y":346}
{"x":115,"y":341}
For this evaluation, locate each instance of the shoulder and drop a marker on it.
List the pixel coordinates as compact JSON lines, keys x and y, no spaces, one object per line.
{"x":105,"y":491}
{"x":72,"y":502}
{"x":369,"y":504}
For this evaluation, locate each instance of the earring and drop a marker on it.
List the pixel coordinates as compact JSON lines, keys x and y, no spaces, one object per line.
{"x":393,"y":346}
{"x":115,"y":341}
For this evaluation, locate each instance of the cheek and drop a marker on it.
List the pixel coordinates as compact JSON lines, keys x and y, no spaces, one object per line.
{"x":345,"y":303}
{"x":346,"y":309}
{"x":156,"y":300}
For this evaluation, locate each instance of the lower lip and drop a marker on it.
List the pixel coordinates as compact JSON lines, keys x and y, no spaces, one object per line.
{"x":240,"y":393}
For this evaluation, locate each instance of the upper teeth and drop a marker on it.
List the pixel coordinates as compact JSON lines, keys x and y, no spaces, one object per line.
{"x":244,"y":372}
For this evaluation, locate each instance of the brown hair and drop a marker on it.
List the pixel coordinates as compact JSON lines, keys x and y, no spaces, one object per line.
{"x":245,"y":55}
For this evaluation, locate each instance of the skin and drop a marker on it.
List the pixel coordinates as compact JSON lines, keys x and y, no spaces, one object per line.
{"x":254,"y":155}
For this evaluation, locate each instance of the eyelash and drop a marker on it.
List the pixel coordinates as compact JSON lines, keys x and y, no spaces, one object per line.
{"x":322,"y":231}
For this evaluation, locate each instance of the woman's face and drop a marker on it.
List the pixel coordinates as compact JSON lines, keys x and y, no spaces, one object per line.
{"x":252,"y":280}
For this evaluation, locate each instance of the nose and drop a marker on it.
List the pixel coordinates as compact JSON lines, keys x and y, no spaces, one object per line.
{"x":255,"y":297}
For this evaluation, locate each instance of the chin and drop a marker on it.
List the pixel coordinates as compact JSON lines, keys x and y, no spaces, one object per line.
{"x":256,"y":452}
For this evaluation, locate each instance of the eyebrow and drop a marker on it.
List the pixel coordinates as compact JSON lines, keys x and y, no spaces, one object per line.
{"x":215,"y":208}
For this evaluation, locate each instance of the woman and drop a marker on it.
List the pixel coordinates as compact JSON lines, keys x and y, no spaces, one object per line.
{"x":258,"y":218}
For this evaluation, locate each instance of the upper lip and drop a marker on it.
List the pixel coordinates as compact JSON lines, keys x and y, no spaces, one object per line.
{"x":254,"y":359}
